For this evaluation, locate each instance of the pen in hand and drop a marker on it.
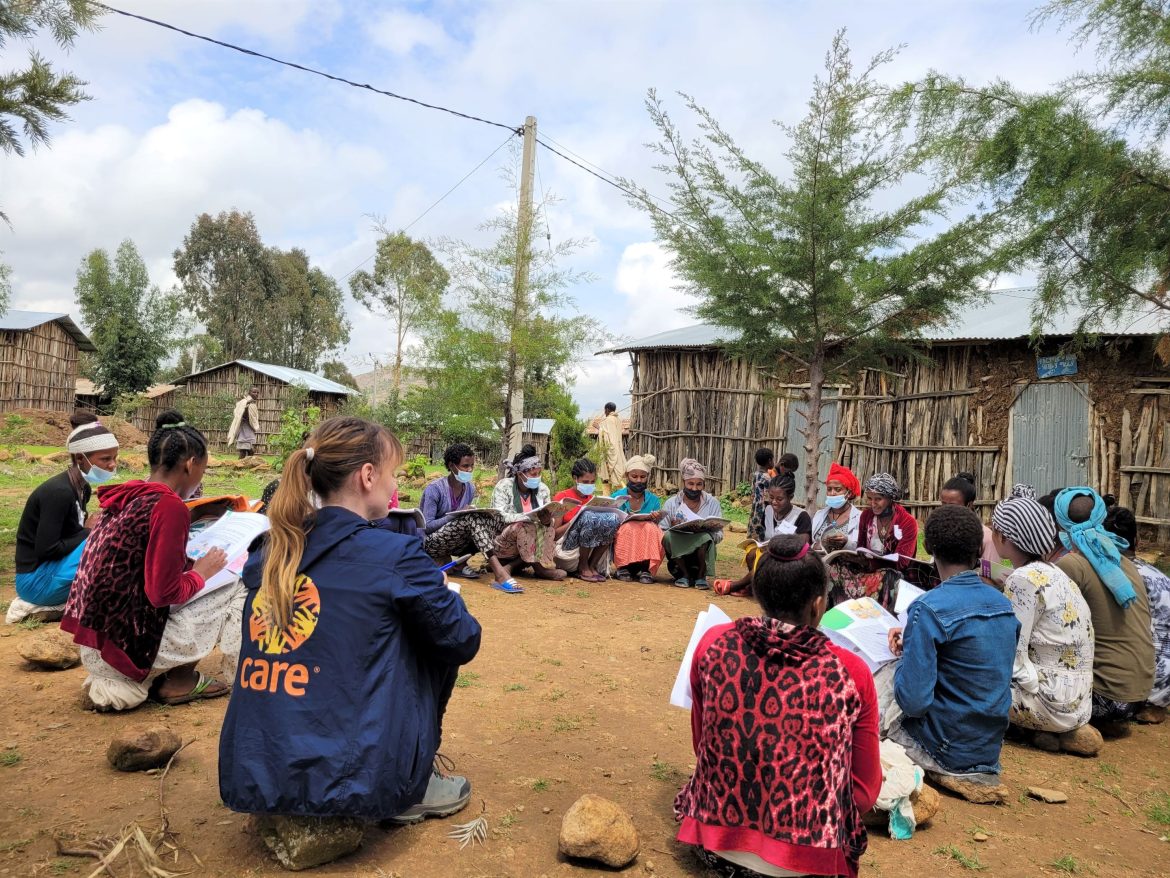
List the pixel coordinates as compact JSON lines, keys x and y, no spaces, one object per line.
{"x":463,"y":559}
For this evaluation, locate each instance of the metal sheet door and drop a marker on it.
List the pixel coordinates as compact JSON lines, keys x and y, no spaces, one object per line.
{"x":795,"y":441}
{"x":1050,"y":435}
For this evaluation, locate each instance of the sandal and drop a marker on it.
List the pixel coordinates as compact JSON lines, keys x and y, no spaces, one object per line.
{"x":645,"y":578}
{"x":205,"y":688}
{"x":682,"y":582}
{"x":469,"y":572}
{"x":623,"y":575}
{"x":508,"y":586}
{"x":702,"y":584}
{"x":721,"y":586}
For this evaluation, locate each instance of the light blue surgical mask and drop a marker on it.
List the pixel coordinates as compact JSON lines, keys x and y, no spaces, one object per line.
{"x":836,"y":501}
{"x":464,"y":476}
{"x":98,"y":476}
{"x":586,"y":489}
{"x":532,"y":483}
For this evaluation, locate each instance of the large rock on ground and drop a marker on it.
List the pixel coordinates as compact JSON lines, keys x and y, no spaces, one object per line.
{"x":596,"y":829}
{"x":300,"y":843}
{"x":51,"y":650}
{"x":141,"y":747}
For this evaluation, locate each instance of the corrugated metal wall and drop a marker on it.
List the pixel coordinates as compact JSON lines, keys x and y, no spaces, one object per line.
{"x":795,"y":442}
{"x":1050,"y":435}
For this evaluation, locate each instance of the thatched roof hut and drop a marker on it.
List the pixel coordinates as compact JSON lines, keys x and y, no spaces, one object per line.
{"x":38,"y":360}
{"x":207,"y":398}
{"x":982,"y":396}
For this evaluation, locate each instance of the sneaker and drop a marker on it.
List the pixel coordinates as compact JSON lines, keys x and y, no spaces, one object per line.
{"x":445,"y":795}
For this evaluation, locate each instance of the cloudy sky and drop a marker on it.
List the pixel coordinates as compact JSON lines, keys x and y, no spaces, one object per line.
{"x":177,"y":126}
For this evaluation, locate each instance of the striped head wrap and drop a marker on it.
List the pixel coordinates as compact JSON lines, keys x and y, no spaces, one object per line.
{"x":884,"y":485}
{"x":89,"y":438}
{"x":689,"y":468}
{"x":528,"y":463}
{"x":1026,"y":523}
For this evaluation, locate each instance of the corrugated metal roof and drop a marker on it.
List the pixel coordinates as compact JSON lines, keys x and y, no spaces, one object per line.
{"x":282,"y":373}
{"x":539,"y":426}
{"x":1003,"y":315}
{"x":23,"y":321}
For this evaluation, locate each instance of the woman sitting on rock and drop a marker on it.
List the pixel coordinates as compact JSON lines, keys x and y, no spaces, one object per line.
{"x":53,"y":527}
{"x":690,"y":555}
{"x":785,"y":731}
{"x":354,"y":642}
{"x":132,"y":609}
{"x":585,"y":547}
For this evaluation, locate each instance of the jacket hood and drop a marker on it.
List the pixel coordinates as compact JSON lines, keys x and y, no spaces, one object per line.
{"x":329,"y":527}
{"x":113,"y":498}
{"x":780,"y":643}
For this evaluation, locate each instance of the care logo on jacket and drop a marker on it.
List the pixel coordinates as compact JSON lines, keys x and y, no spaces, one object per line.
{"x":264,"y":675}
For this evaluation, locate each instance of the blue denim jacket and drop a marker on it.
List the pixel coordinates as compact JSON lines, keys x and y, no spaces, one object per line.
{"x":954,"y":680}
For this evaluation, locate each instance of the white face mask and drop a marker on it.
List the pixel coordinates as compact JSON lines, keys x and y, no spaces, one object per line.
{"x":96,"y":475}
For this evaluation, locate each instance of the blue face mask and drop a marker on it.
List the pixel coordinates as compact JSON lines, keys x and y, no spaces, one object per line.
{"x":586,"y":489}
{"x":532,"y":483}
{"x":464,"y":476}
{"x":97,"y":475}
{"x":836,"y":501}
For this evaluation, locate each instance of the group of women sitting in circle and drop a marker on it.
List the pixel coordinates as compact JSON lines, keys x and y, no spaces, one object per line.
{"x":632,"y":545}
{"x":337,"y":711}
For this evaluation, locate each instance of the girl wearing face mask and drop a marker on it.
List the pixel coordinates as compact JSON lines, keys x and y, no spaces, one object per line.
{"x":691,"y":556}
{"x":449,"y":535}
{"x":129,"y":609}
{"x":585,"y":548}
{"x":524,"y":542}
{"x":637,"y":550}
{"x":54,"y":526}
{"x":835,"y":526}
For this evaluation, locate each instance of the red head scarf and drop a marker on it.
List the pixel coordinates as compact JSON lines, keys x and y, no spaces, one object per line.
{"x":844,"y":475}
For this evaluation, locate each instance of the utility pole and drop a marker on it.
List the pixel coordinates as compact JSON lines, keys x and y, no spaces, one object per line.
{"x":514,"y":422}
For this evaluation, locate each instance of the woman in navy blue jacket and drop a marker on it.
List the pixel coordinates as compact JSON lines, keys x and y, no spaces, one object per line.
{"x":350,"y":650}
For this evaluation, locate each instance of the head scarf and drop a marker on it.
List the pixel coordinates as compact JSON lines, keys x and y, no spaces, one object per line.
{"x":845,"y":476}
{"x":643,"y":463}
{"x":1026,"y":523}
{"x":1022,"y":491}
{"x":883,"y":484}
{"x":689,"y":468}
{"x":90,"y":437}
{"x":1100,"y":548}
{"x":523,"y":466}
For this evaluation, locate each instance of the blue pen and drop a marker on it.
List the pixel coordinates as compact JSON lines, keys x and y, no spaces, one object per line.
{"x":456,"y":562}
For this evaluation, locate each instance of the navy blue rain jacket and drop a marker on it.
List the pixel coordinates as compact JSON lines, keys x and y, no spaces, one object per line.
{"x":338,"y":715}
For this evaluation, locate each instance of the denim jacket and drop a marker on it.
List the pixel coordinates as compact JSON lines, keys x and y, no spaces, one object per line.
{"x":954,"y":681}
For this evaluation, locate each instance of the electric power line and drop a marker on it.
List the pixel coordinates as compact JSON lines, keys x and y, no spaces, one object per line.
{"x":440,"y":198}
{"x":302,"y":67}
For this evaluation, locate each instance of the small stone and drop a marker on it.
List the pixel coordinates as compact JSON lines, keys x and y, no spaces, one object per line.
{"x":649,"y":865}
{"x":52,"y":651}
{"x":520,"y":809}
{"x":926,"y":803}
{"x":546,"y":810}
{"x":300,"y":843}
{"x":607,"y":774}
{"x":1051,"y":797}
{"x":980,"y":836}
{"x":142,"y":747}
{"x":597,"y":829}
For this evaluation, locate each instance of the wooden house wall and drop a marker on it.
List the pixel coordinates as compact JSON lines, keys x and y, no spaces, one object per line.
{"x":923,"y":420}
{"x":208,"y":400}
{"x":38,"y":368}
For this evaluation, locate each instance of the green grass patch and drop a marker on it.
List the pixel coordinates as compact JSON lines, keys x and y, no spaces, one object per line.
{"x":515,"y":687}
{"x":467,"y":679}
{"x":7,"y":846}
{"x":664,"y":771}
{"x":1159,"y":809}
{"x":967,"y":861}
{"x":541,"y":785}
{"x":566,"y":723}
{"x":582,"y":593}
{"x":556,"y":663}
{"x":30,"y":624}
{"x":1068,"y":863}
{"x":11,"y":757}
{"x":508,"y":820}
{"x":555,"y":590}
{"x":555,"y":695}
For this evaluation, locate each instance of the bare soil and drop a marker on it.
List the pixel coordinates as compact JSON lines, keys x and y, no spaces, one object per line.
{"x":567,"y":696}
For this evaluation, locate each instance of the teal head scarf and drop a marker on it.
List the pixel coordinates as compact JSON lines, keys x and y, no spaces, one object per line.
{"x":1100,"y":548}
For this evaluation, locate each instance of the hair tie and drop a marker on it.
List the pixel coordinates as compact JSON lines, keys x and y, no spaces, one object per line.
{"x":310,"y":453}
{"x":173,"y":426}
{"x":775,"y":554}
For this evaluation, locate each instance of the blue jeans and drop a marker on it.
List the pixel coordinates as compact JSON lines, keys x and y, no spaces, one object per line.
{"x":49,"y":584}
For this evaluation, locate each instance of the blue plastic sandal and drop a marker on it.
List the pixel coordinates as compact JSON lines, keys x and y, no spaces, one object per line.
{"x":508,"y":586}
{"x":682,"y":582}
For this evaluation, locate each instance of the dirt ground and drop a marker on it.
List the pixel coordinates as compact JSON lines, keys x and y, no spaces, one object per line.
{"x":567,"y":696}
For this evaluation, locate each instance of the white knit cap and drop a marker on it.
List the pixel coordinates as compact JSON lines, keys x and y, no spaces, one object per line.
{"x":90,"y":437}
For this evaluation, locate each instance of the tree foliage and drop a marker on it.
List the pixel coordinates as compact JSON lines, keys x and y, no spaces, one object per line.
{"x":130,"y":322}
{"x":35,"y":96}
{"x":257,"y":302}
{"x":832,"y":265}
{"x":335,"y":370}
{"x":1080,"y":172}
{"x":406,"y":287}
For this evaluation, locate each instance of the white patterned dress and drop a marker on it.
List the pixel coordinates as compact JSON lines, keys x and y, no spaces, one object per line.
{"x":1158,"y":588}
{"x":1052,"y":677}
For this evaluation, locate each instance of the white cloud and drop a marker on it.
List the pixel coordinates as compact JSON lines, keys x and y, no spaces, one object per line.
{"x":402,"y":32}
{"x":654,"y":303}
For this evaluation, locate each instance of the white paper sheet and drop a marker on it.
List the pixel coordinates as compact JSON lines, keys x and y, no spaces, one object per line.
{"x":908,"y":593}
{"x":680,"y":695}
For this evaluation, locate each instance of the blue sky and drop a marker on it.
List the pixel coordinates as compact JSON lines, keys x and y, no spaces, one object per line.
{"x":178,"y":127}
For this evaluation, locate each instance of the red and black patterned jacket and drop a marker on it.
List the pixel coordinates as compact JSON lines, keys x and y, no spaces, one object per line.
{"x":785,"y":729}
{"x":133,"y":569}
